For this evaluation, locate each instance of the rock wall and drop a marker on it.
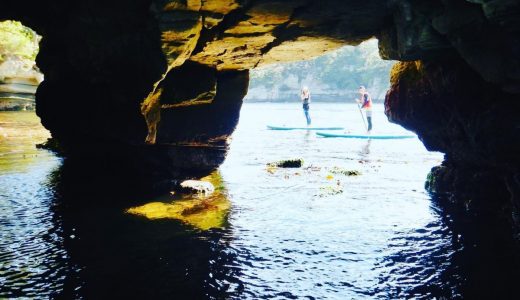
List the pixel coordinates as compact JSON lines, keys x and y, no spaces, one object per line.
{"x":159,"y":83}
{"x":459,"y":91}
{"x":475,"y":123}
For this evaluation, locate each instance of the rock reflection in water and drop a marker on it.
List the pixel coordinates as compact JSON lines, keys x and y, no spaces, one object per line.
{"x":116,"y":254}
{"x":19,"y":133}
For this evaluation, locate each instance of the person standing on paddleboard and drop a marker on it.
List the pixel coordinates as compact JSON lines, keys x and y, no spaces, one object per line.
{"x":306,"y":99}
{"x":366,"y":103}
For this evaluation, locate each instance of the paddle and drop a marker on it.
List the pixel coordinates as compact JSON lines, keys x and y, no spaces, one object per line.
{"x":364,"y":122}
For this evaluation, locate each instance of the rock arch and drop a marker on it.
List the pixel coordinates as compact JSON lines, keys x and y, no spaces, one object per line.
{"x":160,"y":82}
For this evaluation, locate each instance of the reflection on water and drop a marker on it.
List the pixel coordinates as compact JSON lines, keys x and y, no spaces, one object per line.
{"x":19,"y":132}
{"x":365,"y":150}
{"x":33,"y":259}
{"x":65,"y":232}
{"x":116,"y":254}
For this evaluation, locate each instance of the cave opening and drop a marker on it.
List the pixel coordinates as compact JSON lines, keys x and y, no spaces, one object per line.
{"x":20,"y":127}
{"x":336,"y":106}
{"x":272,"y":130}
{"x":354,"y":221}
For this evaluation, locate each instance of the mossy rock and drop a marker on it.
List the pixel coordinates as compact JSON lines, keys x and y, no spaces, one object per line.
{"x":202,"y":214}
{"x":287,"y":163}
{"x":435,"y":179}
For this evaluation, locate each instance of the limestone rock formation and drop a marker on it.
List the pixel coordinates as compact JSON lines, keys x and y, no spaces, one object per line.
{"x":159,"y":83}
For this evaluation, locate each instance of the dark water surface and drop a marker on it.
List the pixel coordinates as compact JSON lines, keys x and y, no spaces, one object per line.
{"x":286,"y":234}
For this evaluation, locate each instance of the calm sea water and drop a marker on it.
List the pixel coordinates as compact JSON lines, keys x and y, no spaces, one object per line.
{"x":305,"y":233}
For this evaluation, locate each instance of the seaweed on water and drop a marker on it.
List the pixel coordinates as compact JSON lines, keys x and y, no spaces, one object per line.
{"x":330,"y":190}
{"x":346,"y":172}
{"x":287,"y":163}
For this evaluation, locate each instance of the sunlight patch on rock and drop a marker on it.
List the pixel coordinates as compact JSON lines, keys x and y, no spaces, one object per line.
{"x":202,"y":213}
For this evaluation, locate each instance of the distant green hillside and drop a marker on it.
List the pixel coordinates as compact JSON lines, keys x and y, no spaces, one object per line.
{"x":332,"y":77}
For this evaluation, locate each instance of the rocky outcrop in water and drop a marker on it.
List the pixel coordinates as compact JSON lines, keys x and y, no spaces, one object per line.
{"x":18,"y":86}
{"x":462,"y":98}
{"x":19,"y":76}
{"x":475,"y":123}
{"x":159,"y":83}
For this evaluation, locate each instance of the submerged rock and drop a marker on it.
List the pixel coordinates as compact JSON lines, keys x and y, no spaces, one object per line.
{"x":201,"y":214}
{"x":199,"y":207}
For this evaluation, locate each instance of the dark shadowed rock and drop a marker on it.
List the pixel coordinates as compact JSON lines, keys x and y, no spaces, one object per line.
{"x":454,"y":111}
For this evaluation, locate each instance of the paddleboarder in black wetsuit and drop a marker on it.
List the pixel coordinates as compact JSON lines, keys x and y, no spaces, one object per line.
{"x":306,"y":99}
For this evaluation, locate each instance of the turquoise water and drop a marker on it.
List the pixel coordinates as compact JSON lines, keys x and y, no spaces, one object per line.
{"x":307,"y":233}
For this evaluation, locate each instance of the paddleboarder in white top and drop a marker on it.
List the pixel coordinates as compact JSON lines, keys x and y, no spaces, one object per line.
{"x":306,"y":99}
{"x":366,"y":103}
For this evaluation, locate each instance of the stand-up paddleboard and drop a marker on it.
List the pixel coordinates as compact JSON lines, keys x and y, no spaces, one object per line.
{"x":303,"y":128}
{"x":364,"y":136}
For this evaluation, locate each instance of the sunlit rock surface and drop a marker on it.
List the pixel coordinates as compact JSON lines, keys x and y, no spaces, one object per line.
{"x":159,"y":83}
{"x":19,"y":76}
{"x":197,"y":210}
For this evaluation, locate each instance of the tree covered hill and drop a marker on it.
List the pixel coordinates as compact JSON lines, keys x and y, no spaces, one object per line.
{"x":334,"y":76}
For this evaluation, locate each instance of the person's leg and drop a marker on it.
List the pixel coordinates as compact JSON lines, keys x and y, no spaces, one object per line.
{"x":369,"y":120}
{"x":307,"y":115}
